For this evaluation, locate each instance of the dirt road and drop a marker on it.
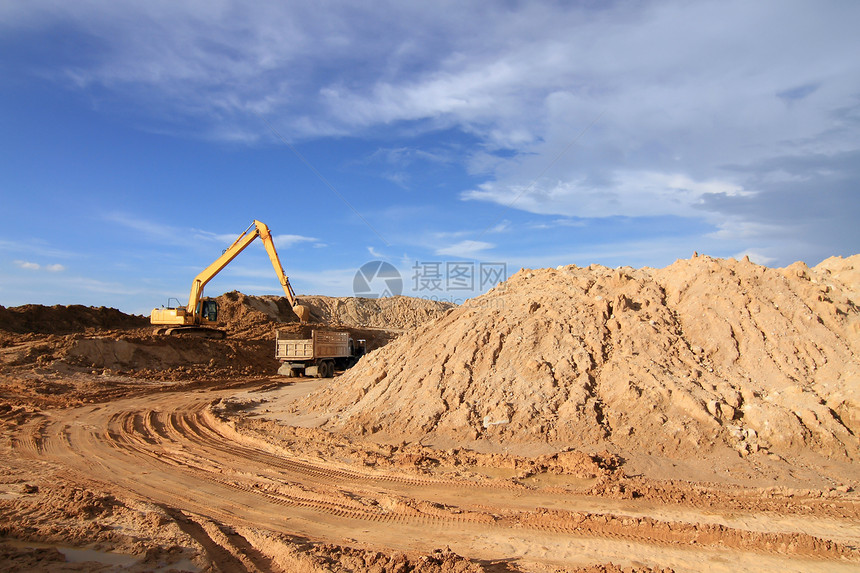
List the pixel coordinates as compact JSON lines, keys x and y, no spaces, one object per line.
{"x":232,"y":491}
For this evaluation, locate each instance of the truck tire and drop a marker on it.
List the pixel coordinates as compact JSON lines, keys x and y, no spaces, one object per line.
{"x":328,"y":370}
{"x":323,"y":369}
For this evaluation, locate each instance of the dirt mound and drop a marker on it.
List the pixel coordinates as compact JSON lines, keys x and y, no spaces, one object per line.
{"x":703,"y":355}
{"x":57,"y":319}
{"x":397,"y":312}
{"x":254,"y":316}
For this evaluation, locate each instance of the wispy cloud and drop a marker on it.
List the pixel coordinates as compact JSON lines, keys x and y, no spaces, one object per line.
{"x":285,"y":241}
{"x":501,"y":227}
{"x":154,"y":231}
{"x":31,"y":266}
{"x":640,"y":194}
{"x":26,"y":265}
{"x":221,"y":238}
{"x":465,"y":249}
{"x":281,"y":241}
{"x":756,"y":257}
{"x":169,"y":234}
{"x":405,"y":156}
{"x":558,"y":223}
{"x":376,"y":254}
{"x":37,"y":247}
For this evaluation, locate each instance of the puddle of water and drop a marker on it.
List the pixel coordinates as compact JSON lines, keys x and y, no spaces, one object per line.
{"x":75,"y":555}
{"x":117,"y":561}
{"x":78,"y":555}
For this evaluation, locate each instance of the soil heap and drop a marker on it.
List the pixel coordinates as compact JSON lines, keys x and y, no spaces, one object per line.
{"x":701,"y":355}
{"x":243,"y":313}
{"x":57,"y":319}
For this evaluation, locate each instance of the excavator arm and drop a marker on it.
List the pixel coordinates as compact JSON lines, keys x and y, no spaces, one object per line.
{"x":261,"y":230}
{"x":194,"y":311}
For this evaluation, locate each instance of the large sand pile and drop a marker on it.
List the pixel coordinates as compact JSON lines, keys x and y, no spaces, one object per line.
{"x":700,"y":355}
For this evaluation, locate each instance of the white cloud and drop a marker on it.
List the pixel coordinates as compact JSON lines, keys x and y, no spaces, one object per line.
{"x":222,"y":238}
{"x":443,"y":235}
{"x":31,"y":266}
{"x":375,"y":254}
{"x":465,"y":249}
{"x":163,"y":233}
{"x":640,"y":193}
{"x":737,"y":228}
{"x":501,"y":227}
{"x":286,"y":241}
{"x":756,"y":257}
{"x":559,"y":223}
{"x":27,"y":265}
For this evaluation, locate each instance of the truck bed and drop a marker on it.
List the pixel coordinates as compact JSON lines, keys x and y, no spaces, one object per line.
{"x":322,"y":344}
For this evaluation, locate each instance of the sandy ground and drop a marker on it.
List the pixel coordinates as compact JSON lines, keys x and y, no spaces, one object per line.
{"x":195,"y":478}
{"x":121,"y":451}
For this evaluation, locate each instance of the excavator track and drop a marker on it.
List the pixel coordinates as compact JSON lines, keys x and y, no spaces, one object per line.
{"x":194,"y":332}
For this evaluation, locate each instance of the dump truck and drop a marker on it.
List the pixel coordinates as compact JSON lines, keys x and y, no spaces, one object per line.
{"x":320,"y":355}
{"x":200,"y":316}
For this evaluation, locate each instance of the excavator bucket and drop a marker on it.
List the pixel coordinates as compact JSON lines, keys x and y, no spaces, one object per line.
{"x":302,"y":312}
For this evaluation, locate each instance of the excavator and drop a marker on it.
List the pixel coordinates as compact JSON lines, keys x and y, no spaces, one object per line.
{"x":199,"y":317}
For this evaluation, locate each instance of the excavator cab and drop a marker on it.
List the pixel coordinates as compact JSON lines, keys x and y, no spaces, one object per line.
{"x":208,"y":310}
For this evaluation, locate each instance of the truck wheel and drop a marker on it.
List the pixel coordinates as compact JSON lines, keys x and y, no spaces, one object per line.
{"x":322,"y":370}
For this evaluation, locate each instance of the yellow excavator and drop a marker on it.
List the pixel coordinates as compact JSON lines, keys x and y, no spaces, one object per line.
{"x":200,"y":316}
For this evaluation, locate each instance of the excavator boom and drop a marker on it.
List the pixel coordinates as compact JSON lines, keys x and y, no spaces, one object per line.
{"x":199,"y":313}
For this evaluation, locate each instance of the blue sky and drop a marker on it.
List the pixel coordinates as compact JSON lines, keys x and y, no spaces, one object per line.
{"x":138,"y":138}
